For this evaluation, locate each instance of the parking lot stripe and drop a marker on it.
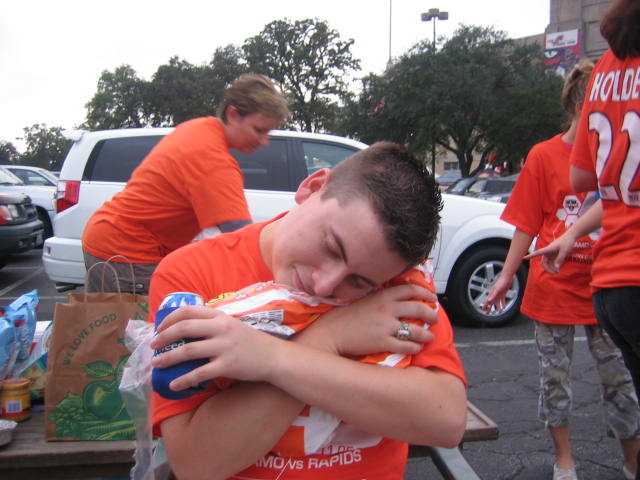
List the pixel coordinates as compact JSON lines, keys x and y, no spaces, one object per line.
{"x":35,"y":273}
{"x":506,"y":343}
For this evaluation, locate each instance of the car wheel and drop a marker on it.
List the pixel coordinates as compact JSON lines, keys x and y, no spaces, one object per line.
{"x":46,"y":222}
{"x":471,"y":283}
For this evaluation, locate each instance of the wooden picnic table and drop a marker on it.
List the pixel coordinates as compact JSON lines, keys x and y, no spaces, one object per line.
{"x":30,"y":456}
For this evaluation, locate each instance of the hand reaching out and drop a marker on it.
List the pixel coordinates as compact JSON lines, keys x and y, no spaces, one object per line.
{"x":498,"y":295}
{"x":553,"y":255}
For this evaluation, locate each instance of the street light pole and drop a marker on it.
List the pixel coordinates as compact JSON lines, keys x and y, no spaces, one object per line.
{"x":390,"y":11}
{"x":434,"y":14}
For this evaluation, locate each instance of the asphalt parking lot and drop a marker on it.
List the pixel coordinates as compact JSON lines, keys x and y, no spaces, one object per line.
{"x":501,"y":369}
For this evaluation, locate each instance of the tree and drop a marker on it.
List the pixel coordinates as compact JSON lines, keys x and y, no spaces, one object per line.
{"x":8,"y":153}
{"x":530,"y":110}
{"x":118,"y":103}
{"x":45,"y":147}
{"x":227,"y":64}
{"x":180,"y":91}
{"x":481,"y":93}
{"x":309,"y":62}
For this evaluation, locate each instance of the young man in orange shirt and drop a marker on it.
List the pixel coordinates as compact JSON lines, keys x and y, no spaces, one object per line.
{"x":355,"y":227}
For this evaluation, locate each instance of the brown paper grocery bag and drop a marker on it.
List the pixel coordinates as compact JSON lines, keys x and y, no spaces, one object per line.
{"x":86,"y":358}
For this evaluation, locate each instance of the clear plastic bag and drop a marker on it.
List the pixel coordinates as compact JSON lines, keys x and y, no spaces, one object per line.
{"x":135,"y":388}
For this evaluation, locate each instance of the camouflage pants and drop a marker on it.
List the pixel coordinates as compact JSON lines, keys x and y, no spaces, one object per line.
{"x":555,"y":354}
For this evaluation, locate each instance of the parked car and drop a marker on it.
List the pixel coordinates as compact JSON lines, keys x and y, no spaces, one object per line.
{"x":460,"y":186}
{"x":42,"y":197}
{"x":31,"y":175}
{"x":20,"y":229}
{"x":495,"y":189}
{"x":448,"y":177}
{"x":467,"y":257}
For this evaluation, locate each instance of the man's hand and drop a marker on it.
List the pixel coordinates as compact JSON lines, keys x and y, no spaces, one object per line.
{"x":234,"y":349}
{"x":370,"y":324}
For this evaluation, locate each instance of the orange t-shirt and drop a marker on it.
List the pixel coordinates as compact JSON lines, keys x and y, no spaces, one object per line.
{"x":356,"y":455}
{"x":188,"y":182}
{"x":607,"y":143}
{"x":543,"y":203}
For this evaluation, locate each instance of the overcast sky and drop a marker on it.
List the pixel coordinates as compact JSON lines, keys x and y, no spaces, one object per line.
{"x":52,"y":52}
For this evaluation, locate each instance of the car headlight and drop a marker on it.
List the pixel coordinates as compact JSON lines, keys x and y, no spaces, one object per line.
{"x":8,"y":213}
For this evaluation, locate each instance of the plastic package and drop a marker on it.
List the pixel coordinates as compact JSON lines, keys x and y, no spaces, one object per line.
{"x":8,"y":347}
{"x":17,"y":327}
{"x":34,"y":368}
{"x":22,"y":312}
{"x":135,"y":388}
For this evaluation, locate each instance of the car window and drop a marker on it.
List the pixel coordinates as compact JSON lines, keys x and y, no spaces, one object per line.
{"x":30,"y":177}
{"x":8,"y":178}
{"x":500,"y":186}
{"x":460,"y":185}
{"x":266,"y":168}
{"x":478,"y":187}
{"x":318,"y":155}
{"x":114,"y":159}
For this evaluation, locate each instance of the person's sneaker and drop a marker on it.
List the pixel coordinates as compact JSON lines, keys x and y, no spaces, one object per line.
{"x":627,"y":473}
{"x":564,"y":473}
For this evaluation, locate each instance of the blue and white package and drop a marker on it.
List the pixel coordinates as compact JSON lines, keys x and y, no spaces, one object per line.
{"x":34,"y":368}
{"x":22,"y":312}
{"x":8,"y":347}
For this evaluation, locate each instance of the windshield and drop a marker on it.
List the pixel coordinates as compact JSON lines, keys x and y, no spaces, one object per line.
{"x":8,"y":178}
{"x":502,"y":186}
{"x":461,"y":185}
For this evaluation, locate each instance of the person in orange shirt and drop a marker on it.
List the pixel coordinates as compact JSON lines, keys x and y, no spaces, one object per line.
{"x":371,"y":218}
{"x":606,"y":157}
{"x":543,"y":204}
{"x":188,"y":186}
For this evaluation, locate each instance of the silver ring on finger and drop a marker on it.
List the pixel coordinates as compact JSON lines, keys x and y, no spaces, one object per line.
{"x":403,"y":332}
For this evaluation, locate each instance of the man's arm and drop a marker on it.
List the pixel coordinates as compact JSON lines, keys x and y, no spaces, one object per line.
{"x":429,"y":406}
{"x":228,"y":432}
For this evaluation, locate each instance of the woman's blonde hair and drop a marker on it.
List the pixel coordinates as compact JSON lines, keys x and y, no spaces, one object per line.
{"x":252,"y":93}
{"x":575,"y":86}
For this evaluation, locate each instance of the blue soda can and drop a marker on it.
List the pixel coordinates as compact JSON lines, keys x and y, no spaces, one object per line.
{"x":161,"y":377}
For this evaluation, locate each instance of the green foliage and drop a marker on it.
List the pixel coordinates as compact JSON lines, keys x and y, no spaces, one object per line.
{"x":8,"y":153}
{"x":45,"y":147}
{"x":180,"y":91}
{"x":118,"y":102}
{"x":479,"y":94}
{"x":309,"y":62}
{"x":227,"y":64}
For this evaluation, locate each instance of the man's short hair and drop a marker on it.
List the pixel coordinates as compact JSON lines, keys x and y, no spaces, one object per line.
{"x":403,"y":192}
{"x":252,"y":93}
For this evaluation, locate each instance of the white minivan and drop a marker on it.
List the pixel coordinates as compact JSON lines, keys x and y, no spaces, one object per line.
{"x":467,"y":257}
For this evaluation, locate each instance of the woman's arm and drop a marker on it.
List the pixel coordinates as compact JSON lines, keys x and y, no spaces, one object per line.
{"x":553,"y":255}
{"x":583,"y":180}
{"x":517,"y":250}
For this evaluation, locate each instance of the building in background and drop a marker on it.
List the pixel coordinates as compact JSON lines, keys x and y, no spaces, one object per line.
{"x":583,"y":16}
{"x":573,"y":33}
